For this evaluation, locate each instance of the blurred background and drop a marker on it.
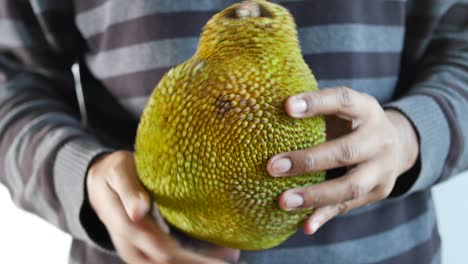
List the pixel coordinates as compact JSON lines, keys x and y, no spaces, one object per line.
{"x":24,"y":238}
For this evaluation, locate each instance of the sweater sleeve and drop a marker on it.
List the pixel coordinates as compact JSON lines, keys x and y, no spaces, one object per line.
{"x":44,"y":150}
{"x":436,"y":101}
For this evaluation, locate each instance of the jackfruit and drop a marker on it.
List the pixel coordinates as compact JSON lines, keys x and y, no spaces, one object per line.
{"x":213,"y":122}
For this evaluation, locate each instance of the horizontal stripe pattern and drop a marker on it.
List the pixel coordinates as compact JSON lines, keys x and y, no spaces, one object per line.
{"x":125,"y":47}
{"x":340,"y":65}
{"x":371,"y":249}
{"x":95,"y":21}
{"x":382,"y":88}
{"x":419,"y":253}
{"x":184,"y":24}
{"x":344,"y":37}
{"x":338,"y":230}
{"x":141,"y":57}
{"x":351,"y":38}
{"x":135,"y":104}
{"x":331,"y":69}
{"x":345,"y":12}
{"x":457,"y":142}
{"x":136,"y":84}
{"x":16,"y":129}
{"x":36,"y":182}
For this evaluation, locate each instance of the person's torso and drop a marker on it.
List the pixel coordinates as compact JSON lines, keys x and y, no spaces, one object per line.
{"x":129,"y":45}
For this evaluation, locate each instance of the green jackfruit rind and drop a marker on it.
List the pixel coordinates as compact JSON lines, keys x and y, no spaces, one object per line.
{"x":213,"y":122}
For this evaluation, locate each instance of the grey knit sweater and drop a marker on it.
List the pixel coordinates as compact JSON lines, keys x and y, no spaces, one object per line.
{"x":411,"y":55}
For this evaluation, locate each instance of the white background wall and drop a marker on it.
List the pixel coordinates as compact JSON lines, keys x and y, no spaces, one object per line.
{"x":26,"y":239}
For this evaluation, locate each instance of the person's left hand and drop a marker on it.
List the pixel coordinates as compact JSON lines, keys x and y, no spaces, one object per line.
{"x":380,"y":147}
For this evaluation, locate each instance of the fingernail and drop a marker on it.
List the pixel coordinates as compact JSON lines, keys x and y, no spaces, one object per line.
{"x":293,"y":201}
{"x":281,"y":165}
{"x":315,"y":226}
{"x":297,"y":106}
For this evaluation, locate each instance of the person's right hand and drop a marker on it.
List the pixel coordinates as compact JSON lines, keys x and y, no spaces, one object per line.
{"x":122,"y":204}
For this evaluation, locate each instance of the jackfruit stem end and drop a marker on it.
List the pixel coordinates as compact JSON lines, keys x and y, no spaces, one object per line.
{"x":248,"y":9}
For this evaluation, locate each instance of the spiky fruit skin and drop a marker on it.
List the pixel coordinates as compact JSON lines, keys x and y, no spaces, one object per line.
{"x":213,"y":122}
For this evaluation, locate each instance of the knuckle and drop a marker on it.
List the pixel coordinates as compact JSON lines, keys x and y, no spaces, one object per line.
{"x":119,"y":157}
{"x":387,"y":143}
{"x":371,"y":100}
{"x":347,"y":153}
{"x":385,"y":192}
{"x":309,"y":161}
{"x":342,"y":208}
{"x":312,"y":199}
{"x":314,"y":99}
{"x":381,"y":194}
{"x":113,"y":178}
{"x":345,"y":96}
{"x":356,"y":190}
{"x":120,"y":154}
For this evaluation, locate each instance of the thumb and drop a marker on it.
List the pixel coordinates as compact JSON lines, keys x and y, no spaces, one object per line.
{"x":123,"y":179}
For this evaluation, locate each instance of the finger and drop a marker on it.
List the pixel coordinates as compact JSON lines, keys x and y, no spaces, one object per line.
{"x":109,"y":207}
{"x":130,"y":254}
{"x":159,"y":246}
{"x":113,"y":215}
{"x":150,"y":241}
{"x":124,"y":181}
{"x":345,"y":151}
{"x":321,"y":216}
{"x":341,"y":101}
{"x":324,"y":214}
{"x":357,"y":183}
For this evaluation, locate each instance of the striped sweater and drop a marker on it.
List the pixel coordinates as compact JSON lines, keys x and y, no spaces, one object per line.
{"x":412,"y":55}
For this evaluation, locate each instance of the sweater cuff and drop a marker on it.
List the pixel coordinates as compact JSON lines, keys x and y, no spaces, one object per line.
{"x":432,"y":128}
{"x":70,"y":170}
